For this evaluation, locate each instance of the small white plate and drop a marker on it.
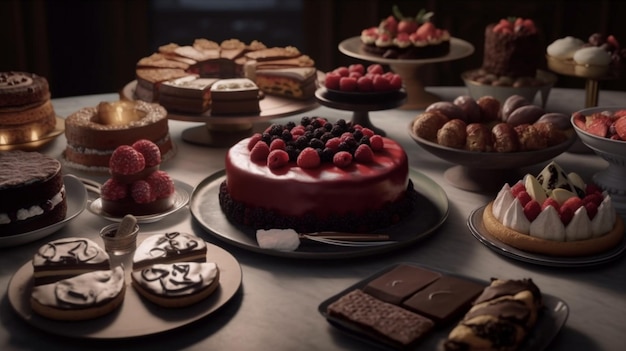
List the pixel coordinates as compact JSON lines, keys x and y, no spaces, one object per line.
{"x":181,"y":198}
{"x":76,"y":196}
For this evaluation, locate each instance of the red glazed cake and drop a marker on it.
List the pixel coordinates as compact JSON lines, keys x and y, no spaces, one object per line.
{"x":400,"y":37}
{"x":137,"y":186}
{"x":32,"y":192}
{"x":316,"y":176}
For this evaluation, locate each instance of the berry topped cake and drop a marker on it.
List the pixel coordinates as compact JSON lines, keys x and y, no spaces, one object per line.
{"x":137,"y":186}
{"x":554,"y":213}
{"x":401,"y":37}
{"x":316,"y":176}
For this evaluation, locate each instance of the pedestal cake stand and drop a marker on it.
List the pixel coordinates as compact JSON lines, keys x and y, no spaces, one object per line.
{"x":417,"y":96}
{"x":224,"y":131}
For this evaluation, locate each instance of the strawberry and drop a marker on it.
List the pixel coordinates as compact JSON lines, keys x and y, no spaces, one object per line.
{"x":365,"y":84}
{"x":574,"y":203}
{"x":595,"y":198}
{"x":357,"y":67}
{"x":550,"y":202}
{"x":426,"y":30}
{"x":308,"y":158}
{"x":376,"y":142}
{"x":389,"y":24}
{"x":579,"y":120}
{"x":532,"y":210}
{"x":597,"y":126}
{"x":277,"y":144}
{"x":259,"y":152}
{"x":566,"y":215}
{"x":613,"y":41}
{"x":364,"y":154}
{"x":517,"y":188}
{"x":343,"y":71}
{"x":592,"y":209}
{"x":619,"y":113}
{"x":381,"y":84}
{"x":375,"y":69}
{"x":277,"y":158}
{"x":620,"y":127}
{"x":524,"y":197}
{"x":332,"y":80}
{"x":342,"y":159}
{"x":253,"y":139}
{"x":347,"y":84}
{"x":529,"y":26}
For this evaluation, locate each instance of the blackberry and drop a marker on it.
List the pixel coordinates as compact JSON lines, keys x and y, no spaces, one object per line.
{"x":327,"y":155}
{"x":292,"y":152}
{"x":337,"y":130}
{"x":266,"y":137}
{"x":309,"y":128}
{"x":305,"y":121}
{"x":328,"y":127}
{"x":365,"y":140}
{"x":343,"y":146}
{"x":326,"y":136}
{"x":342,"y":123}
{"x":316,"y":123}
{"x":308,"y":135}
{"x":286,"y":135}
{"x":289,"y":125}
{"x":316,"y":143}
{"x":357,"y":134}
{"x":301,"y":142}
{"x":318,"y":132}
{"x":276,"y":129}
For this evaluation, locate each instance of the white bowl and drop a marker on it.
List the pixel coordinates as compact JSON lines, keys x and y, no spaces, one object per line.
{"x":613,"y":178}
{"x":501,"y":93}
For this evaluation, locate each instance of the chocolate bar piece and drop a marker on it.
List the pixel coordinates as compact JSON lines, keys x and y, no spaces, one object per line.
{"x":399,"y":283}
{"x":444,"y":299}
{"x":390,"y":321}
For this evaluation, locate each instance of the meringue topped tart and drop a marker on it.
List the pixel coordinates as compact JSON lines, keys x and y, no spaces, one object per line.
{"x":554,"y":213}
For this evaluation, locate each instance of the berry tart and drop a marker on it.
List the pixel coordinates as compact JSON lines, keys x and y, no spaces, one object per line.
{"x":317,"y":176}
{"x":137,"y":186}
{"x":401,"y":37}
{"x":554,"y":213}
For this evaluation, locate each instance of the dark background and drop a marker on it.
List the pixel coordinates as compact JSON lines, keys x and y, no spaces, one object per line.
{"x":88,"y":47}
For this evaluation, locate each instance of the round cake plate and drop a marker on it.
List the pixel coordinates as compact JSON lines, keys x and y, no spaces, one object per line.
{"x":39,"y":143}
{"x":223,"y":131}
{"x":76,"y":198}
{"x":181,"y":198}
{"x":552,"y":318}
{"x":477,"y":228}
{"x":362,"y":106}
{"x":418,"y":97}
{"x":135,"y":317}
{"x":430,"y":214}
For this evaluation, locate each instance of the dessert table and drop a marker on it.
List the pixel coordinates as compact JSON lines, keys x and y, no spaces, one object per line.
{"x":276,"y":306}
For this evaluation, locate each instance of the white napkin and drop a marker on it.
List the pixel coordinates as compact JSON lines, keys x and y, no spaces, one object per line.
{"x":278,"y":239}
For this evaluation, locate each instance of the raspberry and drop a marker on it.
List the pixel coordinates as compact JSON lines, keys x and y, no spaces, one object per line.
{"x":253,"y":139}
{"x":367,"y":132}
{"x":381,"y":83}
{"x":346,"y":136}
{"x":595,"y":198}
{"x":592,"y":188}
{"x":333,"y":143}
{"x":126,"y":160}
{"x":347,"y":84}
{"x":566,"y":215}
{"x":357,"y":67}
{"x":149,"y":150}
{"x":259,"y":152}
{"x":141,"y":192}
{"x":277,"y":158}
{"x":308,"y":158}
{"x":342,"y":159}
{"x":517,"y":188}
{"x":523,"y":197}
{"x":113,"y":190}
{"x":532,"y":210}
{"x":364,"y":84}
{"x":395,"y":81}
{"x":297,"y":131}
{"x":277,"y":144}
{"x":550,"y":202}
{"x":376,"y":142}
{"x":363,"y":154}
{"x":343,"y":71}
{"x":161,"y":184}
{"x":375,"y":69}
{"x":332,"y":80}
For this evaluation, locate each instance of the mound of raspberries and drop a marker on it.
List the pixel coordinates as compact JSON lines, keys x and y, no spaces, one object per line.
{"x":313,"y":142}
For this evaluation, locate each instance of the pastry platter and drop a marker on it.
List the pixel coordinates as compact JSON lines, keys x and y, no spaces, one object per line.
{"x":477,"y":228}
{"x":136,"y":317}
{"x":226,"y":130}
{"x":76,"y":197}
{"x":551,"y":319}
{"x":431,"y":214}
{"x":409,"y":70}
{"x":39,"y":143}
{"x":181,"y":198}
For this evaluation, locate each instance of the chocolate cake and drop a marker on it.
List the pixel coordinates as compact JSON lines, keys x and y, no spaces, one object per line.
{"x":513,"y":54}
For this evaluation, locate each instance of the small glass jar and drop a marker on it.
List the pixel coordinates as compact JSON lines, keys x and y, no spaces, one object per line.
{"x":118,"y":245}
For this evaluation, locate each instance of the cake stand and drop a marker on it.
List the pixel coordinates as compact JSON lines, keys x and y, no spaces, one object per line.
{"x":224,"y":131}
{"x":361,"y":103}
{"x":417,"y":96}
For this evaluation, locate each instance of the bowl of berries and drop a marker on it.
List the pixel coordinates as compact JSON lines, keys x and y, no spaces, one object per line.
{"x":603,"y":130}
{"x":357,"y":83}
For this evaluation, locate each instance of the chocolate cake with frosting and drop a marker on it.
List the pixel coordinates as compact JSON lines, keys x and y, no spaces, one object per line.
{"x":33,"y":192}
{"x":516,"y":53}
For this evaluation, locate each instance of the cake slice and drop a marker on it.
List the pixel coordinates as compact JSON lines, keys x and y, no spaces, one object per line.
{"x":297,"y":82}
{"x":188,"y":94}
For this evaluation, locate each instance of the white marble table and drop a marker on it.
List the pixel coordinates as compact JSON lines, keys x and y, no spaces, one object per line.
{"x":276,"y":307}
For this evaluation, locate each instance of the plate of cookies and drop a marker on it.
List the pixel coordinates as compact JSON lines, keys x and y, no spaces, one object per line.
{"x":105,"y":300}
{"x":411,"y":307}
